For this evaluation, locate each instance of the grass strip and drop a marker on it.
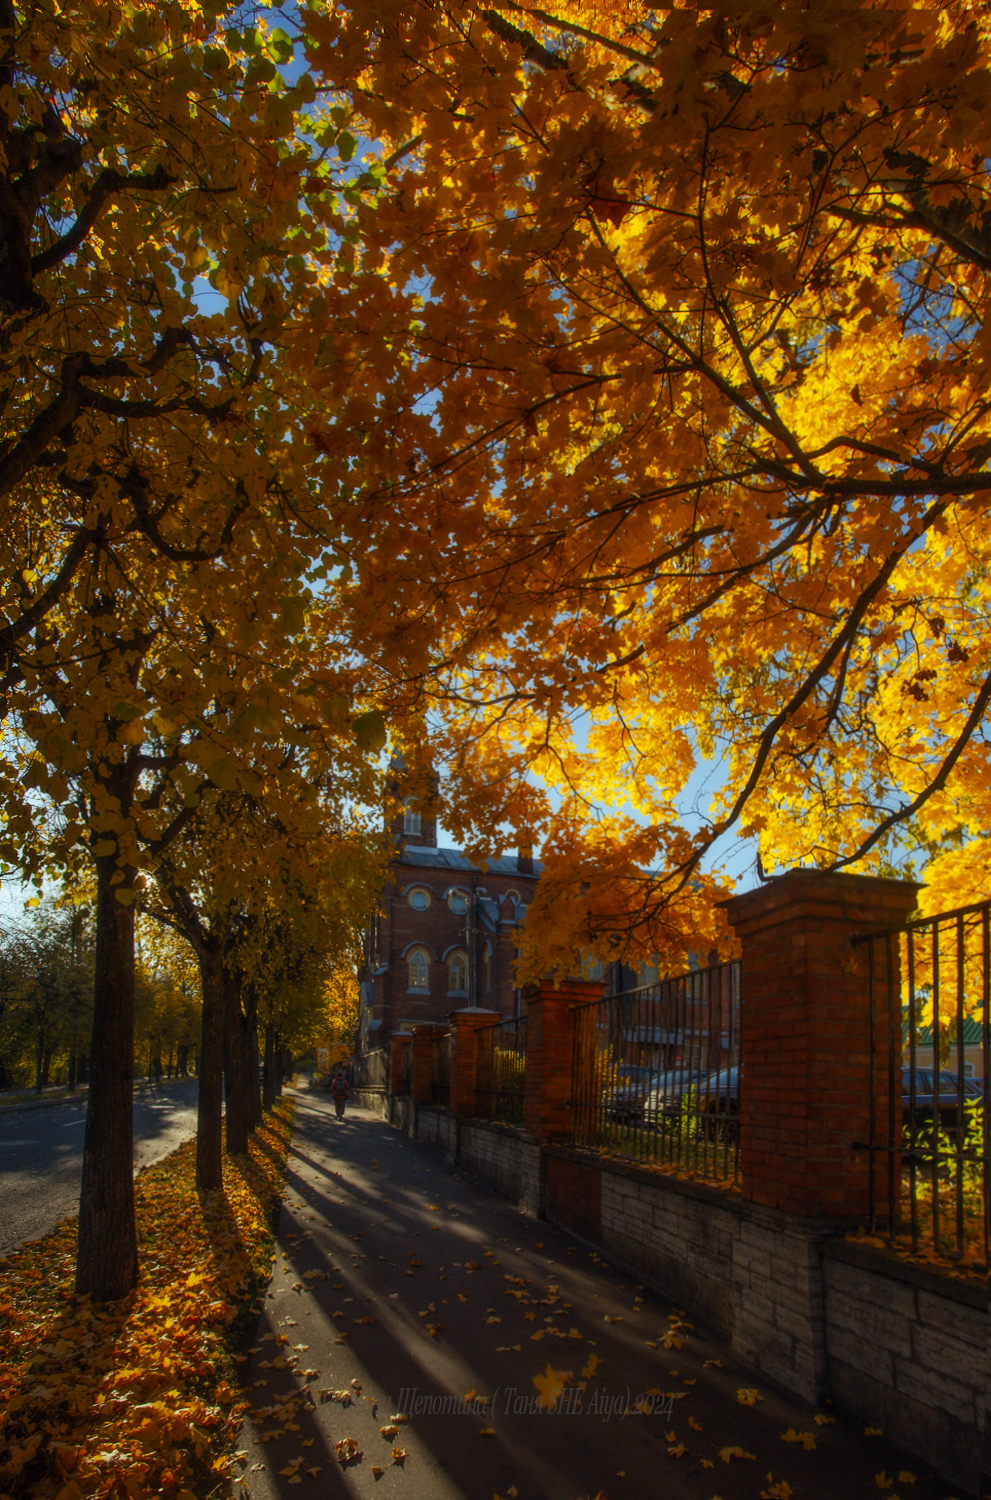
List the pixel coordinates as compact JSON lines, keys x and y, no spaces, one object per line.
{"x":139,"y":1397}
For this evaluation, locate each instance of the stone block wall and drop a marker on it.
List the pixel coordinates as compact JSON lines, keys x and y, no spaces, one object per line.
{"x":492,"y":1151}
{"x":811,"y":1312}
{"x":907,"y":1349}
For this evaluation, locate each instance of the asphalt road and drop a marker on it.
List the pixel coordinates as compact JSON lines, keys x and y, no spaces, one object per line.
{"x":405,"y":1290}
{"x":41,"y":1154}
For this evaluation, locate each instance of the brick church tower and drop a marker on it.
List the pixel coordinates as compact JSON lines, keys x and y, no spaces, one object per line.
{"x":445,"y":936}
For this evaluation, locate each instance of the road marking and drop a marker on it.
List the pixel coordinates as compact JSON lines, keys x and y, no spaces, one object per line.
{"x":74,"y":1122}
{"x":20,"y":1143}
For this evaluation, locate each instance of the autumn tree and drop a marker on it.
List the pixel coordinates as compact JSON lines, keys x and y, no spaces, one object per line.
{"x":169,"y":233}
{"x":693,"y":430}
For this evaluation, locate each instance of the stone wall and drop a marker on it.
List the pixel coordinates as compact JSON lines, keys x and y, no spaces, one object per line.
{"x":492,"y":1151}
{"x":810,"y":1311}
{"x":907,"y":1348}
{"x":438,"y":1128}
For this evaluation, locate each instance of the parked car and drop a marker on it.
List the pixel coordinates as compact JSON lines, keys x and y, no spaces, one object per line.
{"x":670,"y":1089}
{"x":625,"y":1100}
{"x":719,"y":1105}
{"x":926,"y":1098}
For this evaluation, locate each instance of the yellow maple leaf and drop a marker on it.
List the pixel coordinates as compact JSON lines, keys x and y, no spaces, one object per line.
{"x":807,"y":1439}
{"x":551,"y":1386}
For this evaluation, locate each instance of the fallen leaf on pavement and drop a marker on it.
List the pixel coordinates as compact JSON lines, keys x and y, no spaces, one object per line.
{"x":347,"y":1451}
{"x":747,"y":1397}
{"x":726,"y":1454}
{"x":551,"y":1386}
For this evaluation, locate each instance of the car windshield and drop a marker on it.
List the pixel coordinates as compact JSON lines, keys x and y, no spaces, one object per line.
{"x":949,"y":1083}
{"x":631,"y":1077}
{"x":678,"y":1078}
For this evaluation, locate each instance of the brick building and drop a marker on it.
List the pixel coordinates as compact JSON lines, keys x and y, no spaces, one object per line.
{"x":445,"y":936}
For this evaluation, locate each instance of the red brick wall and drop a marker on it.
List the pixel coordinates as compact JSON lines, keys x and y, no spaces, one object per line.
{"x":439,"y":929}
{"x":549,"y":1056}
{"x":806,"y":1047}
{"x":574,"y":1196}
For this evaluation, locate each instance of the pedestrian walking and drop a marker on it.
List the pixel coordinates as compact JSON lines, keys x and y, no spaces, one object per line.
{"x":340,"y":1092}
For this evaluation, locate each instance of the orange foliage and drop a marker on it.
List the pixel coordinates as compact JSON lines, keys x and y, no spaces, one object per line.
{"x":142,"y":1392}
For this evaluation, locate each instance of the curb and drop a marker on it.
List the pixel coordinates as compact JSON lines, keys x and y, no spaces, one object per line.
{"x":19,"y":1109}
{"x":81,"y":1095}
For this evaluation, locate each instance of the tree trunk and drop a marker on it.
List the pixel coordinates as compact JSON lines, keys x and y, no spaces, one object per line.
{"x":107,"y":1260}
{"x":39,"y":1054}
{"x":249,"y":1038}
{"x":279,"y":1060}
{"x":255,"y":1064}
{"x":209,"y":1135}
{"x":46,"y":1067}
{"x":237,"y":1092}
{"x":268,"y":1091}
{"x":72,"y":1071}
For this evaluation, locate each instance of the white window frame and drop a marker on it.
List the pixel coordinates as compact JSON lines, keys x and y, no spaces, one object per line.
{"x":458,"y":955}
{"x":421,"y":958}
{"x":412,"y":820}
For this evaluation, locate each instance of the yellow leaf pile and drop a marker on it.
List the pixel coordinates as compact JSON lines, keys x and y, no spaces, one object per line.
{"x":136,"y":1397}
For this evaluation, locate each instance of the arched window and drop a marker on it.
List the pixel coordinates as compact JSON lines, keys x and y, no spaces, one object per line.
{"x":419,"y":968}
{"x":411,"y":818}
{"x":418,"y":898}
{"x":457,"y":974}
{"x":458,"y":902}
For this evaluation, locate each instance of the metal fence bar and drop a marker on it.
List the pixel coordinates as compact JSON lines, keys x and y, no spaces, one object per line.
{"x":931,"y":1125}
{"x":500,"y":1073}
{"x":371,"y":1069}
{"x":656,"y":1073}
{"x":440,"y":1070}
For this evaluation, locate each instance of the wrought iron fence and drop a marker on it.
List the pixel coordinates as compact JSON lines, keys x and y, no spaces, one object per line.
{"x":501,"y":1070}
{"x":656,"y":1073}
{"x":440,"y":1070}
{"x":929,"y":1125}
{"x":371,"y":1070}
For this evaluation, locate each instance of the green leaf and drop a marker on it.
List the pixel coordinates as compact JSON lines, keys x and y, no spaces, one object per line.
{"x":346,"y":145}
{"x":280,"y":45}
{"x":370,"y":731}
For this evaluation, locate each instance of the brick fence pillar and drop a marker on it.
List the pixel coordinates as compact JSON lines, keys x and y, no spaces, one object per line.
{"x":550,"y":1035}
{"x":806,"y":1038}
{"x":421,"y":1082}
{"x":397,"y":1042}
{"x":464,"y":1057}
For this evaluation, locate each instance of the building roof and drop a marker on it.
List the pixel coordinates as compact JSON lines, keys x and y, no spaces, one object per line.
{"x":453,"y":859}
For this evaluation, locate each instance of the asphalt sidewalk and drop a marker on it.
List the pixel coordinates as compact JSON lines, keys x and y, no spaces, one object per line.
{"x":405,"y":1292}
